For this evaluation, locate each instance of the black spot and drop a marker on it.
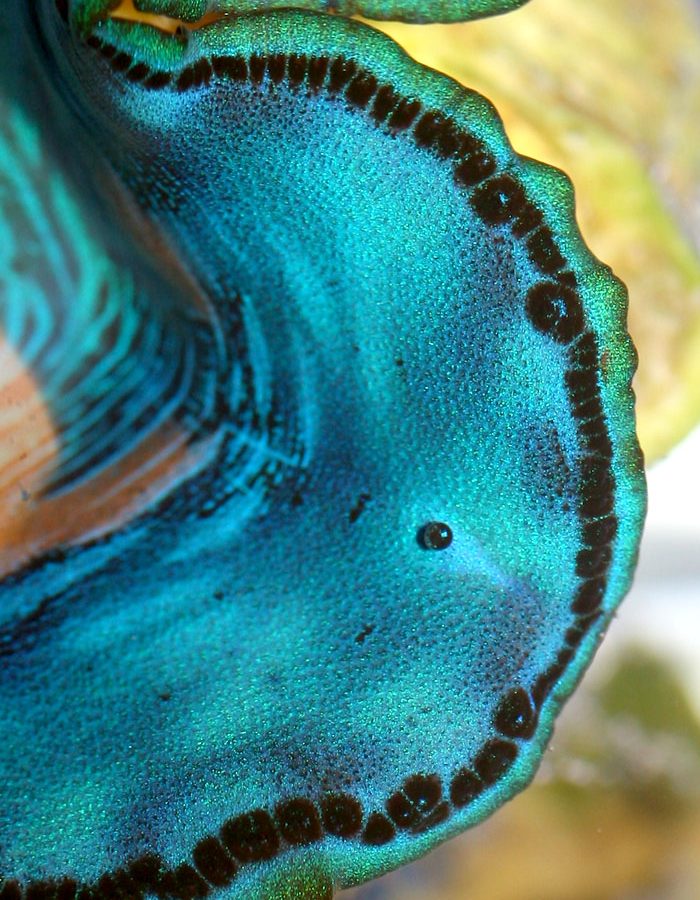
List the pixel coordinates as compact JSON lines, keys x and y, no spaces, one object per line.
{"x":342,"y":70}
{"x":66,"y":889}
{"x":365,"y":633}
{"x":138,"y":72}
{"x":543,"y":251}
{"x":418,"y":796}
{"x":62,"y":7}
{"x":202,"y":73}
{"x":121,"y":62}
{"x":378,"y":830}
{"x":214,"y":863}
{"x":593,"y":561}
{"x":574,"y":635}
{"x":465,"y":786}
{"x":526,"y":220}
{"x":581,"y":384}
{"x":594,"y":474}
{"x":404,"y":114}
{"x":157,"y":81}
{"x":494,"y":759}
{"x":256,"y":67}
{"x":186,"y":79}
{"x":545,"y":683}
{"x":591,"y":428}
{"x":318,"y":69}
{"x":116,"y":886}
{"x":361,"y":89}
{"x":233,"y":67}
{"x":476,"y":167}
{"x":600,"y":531}
{"x":565,"y":655}
{"x":276,"y":67}
{"x":595,"y":438}
{"x":296,"y":68}
{"x":147,"y":872}
{"x":555,"y":310}
{"x":359,"y":507}
{"x":107,"y":50}
{"x":568,"y":278}
{"x":433,"y":130}
{"x":341,"y":815}
{"x":515,"y":717}
{"x":448,"y":141}
{"x":584,"y":353}
{"x":439,"y":815}
{"x":385,"y":100}
{"x":298,"y":821}
{"x":498,"y":200}
{"x":435,"y":536}
{"x":251,"y":837}
{"x":40,"y":890}
{"x":589,"y":596}
{"x":587,"y":409}
{"x":597,"y":500}
{"x":184,"y":883}
{"x":297,"y":499}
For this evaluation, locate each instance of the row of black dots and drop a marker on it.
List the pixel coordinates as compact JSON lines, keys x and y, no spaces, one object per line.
{"x":120,"y":61}
{"x":258,"y":836}
{"x":555,"y":309}
{"x":360,"y":89}
{"x":491,"y":763}
{"x":597,"y":488}
{"x":502,"y":200}
{"x":419,"y":804}
{"x":499,"y":200}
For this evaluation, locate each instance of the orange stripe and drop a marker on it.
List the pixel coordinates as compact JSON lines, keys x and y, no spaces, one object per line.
{"x":29,"y":448}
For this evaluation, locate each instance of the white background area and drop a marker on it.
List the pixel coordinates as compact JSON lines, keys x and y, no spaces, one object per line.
{"x":662,"y":611}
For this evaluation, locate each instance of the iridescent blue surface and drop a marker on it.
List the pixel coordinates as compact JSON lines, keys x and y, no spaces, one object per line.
{"x":326,"y":266}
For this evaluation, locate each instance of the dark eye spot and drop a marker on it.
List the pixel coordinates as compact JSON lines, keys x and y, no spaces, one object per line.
{"x":435,"y":536}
